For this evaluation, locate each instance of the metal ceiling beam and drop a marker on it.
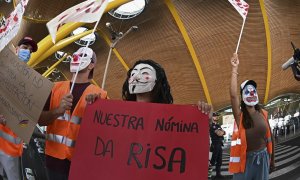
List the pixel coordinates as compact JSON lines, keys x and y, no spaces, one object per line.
{"x":61,"y":44}
{"x":51,"y":69}
{"x":46,"y":43}
{"x":190,"y":47}
{"x":268,"y":38}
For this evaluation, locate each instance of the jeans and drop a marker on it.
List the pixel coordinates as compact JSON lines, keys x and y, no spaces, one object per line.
{"x":11,"y":166}
{"x":257,"y":166}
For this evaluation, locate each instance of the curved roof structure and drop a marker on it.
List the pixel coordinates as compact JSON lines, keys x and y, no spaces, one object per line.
{"x":194,"y":41}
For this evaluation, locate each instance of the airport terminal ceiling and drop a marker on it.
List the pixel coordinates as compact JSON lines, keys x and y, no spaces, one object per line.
{"x":193,"y":40}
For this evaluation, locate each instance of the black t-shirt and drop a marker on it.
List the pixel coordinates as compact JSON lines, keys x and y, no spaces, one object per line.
{"x":63,"y":166}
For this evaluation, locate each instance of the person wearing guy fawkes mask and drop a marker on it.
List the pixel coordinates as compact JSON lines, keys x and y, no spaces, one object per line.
{"x":146,"y":81}
{"x":63,"y":113}
{"x":217,"y":137}
{"x":252,"y":141}
{"x":11,"y":146}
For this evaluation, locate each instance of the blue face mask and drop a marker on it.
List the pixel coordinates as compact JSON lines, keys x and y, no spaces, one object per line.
{"x":24,"y":55}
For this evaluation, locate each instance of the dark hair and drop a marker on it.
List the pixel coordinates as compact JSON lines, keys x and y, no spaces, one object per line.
{"x":247,"y":120}
{"x":161,"y":92}
{"x":29,"y":41}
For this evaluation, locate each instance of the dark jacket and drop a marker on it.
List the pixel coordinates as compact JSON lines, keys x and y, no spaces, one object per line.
{"x":214,"y":137}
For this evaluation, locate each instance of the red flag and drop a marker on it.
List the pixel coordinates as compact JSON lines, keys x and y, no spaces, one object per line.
{"x":88,"y":11}
{"x":241,"y":6}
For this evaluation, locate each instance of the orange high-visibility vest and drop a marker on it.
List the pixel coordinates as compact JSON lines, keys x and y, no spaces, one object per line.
{"x":62,"y":133}
{"x":10,"y":143}
{"x":238,"y":149}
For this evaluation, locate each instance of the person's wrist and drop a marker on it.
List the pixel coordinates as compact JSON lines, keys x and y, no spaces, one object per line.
{"x":234,"y":70}
{"x":59,"y":112}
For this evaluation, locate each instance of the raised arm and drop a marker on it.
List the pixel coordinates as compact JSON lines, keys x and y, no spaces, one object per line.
{"x":235,"y":102}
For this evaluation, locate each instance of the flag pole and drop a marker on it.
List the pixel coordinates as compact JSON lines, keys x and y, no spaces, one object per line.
{"x":106,"y":66}
{"x":112,"y":46}
{"x":242,"y":29}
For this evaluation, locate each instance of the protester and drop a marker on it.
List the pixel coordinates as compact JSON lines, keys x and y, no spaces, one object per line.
{"x":252,"y":140}
{"x":63,"y":114}
{"x":147,"y":82}
{"x":217,"y":137}
{"x":25,"y":47}
{"x":11,"y":146}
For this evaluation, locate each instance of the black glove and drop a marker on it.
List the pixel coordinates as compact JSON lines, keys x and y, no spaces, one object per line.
{"x":296,"y":55}
{"x":211,"y":149}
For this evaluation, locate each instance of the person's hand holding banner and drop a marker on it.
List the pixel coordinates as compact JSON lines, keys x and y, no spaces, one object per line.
{"x":135,"y":140}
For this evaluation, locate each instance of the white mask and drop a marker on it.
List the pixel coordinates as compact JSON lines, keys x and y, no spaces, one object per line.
{"x":249,"y":95}
{"x":83,"y":57}
{"x":142,"y":79}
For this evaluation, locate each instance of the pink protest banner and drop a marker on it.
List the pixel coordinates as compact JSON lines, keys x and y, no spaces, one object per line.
{"x":130,"y":140}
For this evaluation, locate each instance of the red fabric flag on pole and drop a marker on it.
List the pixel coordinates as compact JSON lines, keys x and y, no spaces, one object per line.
{"x":241,"y":6}
{"x":88,"y":11}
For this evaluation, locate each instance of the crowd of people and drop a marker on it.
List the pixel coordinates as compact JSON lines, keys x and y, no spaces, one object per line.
{"x":252,"y":143}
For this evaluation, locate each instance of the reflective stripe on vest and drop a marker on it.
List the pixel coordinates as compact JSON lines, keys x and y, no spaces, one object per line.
{"x":61,"y":139}
{"x":234,"y":159}
{"x":236,"y":142}
{"x":63,"y":132}
{"x":10,"y":138}
{"x":269,"y":140}
{"x":66,"y":117}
